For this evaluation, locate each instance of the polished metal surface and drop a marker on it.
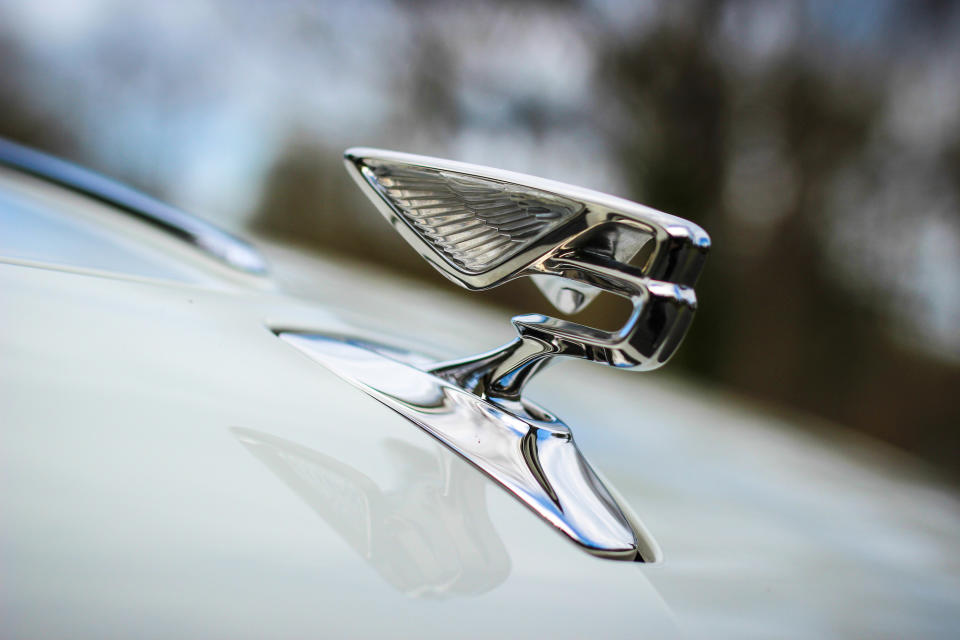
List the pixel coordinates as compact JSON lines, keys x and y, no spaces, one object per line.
{"x":481,"y":227}
{"x":217,"y":243}
{"x":518,"y":445}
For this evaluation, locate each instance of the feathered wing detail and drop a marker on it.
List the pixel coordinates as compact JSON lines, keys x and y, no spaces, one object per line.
{"x":475,"y":223}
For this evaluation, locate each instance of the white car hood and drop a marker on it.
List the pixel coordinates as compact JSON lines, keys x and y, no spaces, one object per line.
{"x":170,"y":468}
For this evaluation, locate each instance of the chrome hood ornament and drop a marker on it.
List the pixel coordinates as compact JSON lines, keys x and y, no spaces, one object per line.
{"x":480,"y":228}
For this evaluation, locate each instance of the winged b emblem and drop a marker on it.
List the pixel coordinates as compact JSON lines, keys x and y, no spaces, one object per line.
{"x":482,"y":227}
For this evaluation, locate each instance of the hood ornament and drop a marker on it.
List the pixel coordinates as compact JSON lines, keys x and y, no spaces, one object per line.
{"x":482,"y":227}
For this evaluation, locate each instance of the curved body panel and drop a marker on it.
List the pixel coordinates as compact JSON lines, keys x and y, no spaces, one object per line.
{"x":170,"y":469}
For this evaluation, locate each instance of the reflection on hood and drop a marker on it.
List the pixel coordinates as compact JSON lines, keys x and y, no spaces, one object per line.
{"x":429,"y":537}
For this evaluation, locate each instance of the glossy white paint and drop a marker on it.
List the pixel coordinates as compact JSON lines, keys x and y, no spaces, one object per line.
{"x":169,"y":468}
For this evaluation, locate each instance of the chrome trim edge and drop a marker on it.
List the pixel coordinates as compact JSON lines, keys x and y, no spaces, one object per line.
{"x":211,"y":240}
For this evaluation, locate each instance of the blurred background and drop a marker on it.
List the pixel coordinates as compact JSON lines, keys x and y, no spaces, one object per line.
{"x":817,"y":142}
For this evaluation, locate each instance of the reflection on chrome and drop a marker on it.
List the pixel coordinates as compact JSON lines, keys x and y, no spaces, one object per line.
{"x":429,"y":537}
{"x":518,"y":445}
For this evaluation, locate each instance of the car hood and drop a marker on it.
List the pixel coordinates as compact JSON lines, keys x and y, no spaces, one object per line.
{"x":171,"y":468}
